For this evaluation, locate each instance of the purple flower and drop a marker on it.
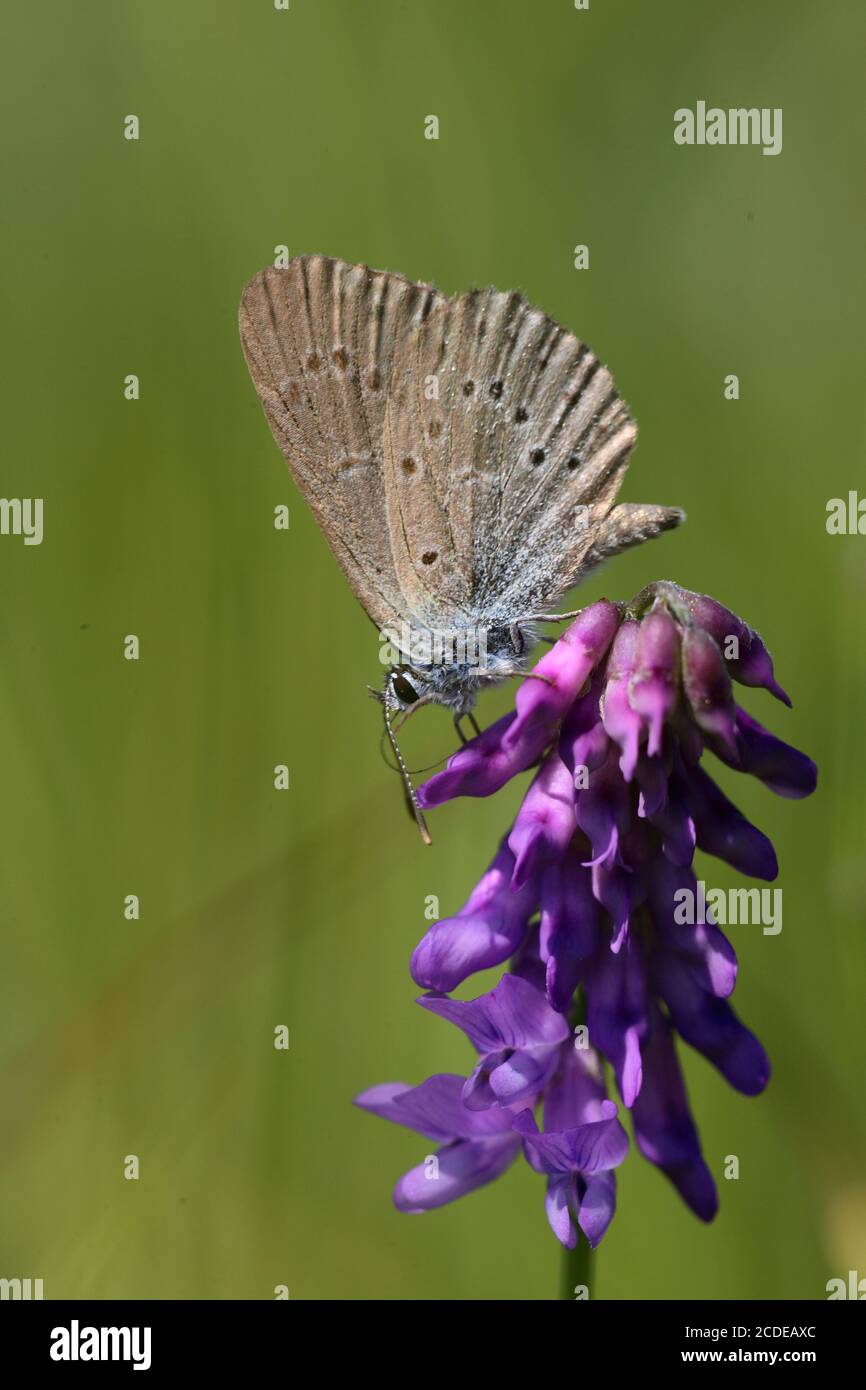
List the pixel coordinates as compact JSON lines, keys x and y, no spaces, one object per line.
{"x":582,"y":1142}
{"x":585,"y":897}
{"x":517,"y":1034}
{"x":478,"y":1144}
{"x":483,"y":1125}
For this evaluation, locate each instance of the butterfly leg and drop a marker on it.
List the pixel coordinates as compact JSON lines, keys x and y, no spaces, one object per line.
{"x":412,"y":709}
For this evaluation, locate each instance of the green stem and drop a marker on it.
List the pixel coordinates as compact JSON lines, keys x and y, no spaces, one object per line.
{"x":578,"y":1266}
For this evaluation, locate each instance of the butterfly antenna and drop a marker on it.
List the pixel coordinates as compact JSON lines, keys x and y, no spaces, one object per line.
{"x":411,"y":796}
{"x":550,"y":617}
{"x":397,"y":726}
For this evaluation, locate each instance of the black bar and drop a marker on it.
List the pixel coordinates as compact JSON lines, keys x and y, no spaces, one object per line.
{"x":220,"y":1338}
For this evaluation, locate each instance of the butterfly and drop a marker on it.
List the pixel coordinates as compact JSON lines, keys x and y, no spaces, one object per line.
{"x":461,"y":454}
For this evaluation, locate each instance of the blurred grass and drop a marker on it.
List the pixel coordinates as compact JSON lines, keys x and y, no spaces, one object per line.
{"x":155,"y":1037}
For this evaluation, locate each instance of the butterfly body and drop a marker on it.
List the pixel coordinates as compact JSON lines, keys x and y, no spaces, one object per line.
{"x":485,"y":652}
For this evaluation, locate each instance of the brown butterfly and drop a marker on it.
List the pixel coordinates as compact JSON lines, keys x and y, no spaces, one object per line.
{"x":461,"y":454}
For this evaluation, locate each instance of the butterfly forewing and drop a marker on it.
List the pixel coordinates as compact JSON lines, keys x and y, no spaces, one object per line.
{"x":319,"y":337}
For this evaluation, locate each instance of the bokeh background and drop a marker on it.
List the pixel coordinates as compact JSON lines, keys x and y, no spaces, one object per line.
{"x":258,"y":907}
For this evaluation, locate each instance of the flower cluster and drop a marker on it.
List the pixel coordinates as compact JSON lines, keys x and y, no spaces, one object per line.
{"x":583,"y":896}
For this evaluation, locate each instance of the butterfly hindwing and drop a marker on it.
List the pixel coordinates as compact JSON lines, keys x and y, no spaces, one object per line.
{"x":518,"y":443}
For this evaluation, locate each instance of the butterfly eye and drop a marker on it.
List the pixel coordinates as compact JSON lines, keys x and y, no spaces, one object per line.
{"x":403,"y":690}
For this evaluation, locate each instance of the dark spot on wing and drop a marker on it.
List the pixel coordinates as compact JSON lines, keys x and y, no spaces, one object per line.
{"x":429,"y":557}
{"x":521,"y":415}
{"x":408,"y":465}
{"x":468,"y":388}
{"x":341,"y":358}
{"x":537,"y":456}
{"x":434,"y":429}
{"x":314,"y":362}
{"x":496,"y":389}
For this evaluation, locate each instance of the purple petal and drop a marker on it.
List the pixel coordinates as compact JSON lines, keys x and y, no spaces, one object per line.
{"x":569,"y":930}
{"x":542,"y":703}
{"x":611,"y":886}
{"x":545,"y":822}
{"x":711,"y":1026}
{"x":576,"y":1094}
{"x":520,"y":1077}
{"x":664,"y":1130}
{"x":518,"y":1035}
{"x":619,"y":880}
{"x":653,"y":689}
{"x":597,"y":1206}
{"x":587,"y":751}
{"x":722,"y":830}
{"x":752,"y":665}
{"x":589,"y":1148}
{"x":652,"y":778}
{"x":485,"y":932}
{"x":676,"y":826}
{"x":478,"y":1094}
{"x":617,"y":1014}
{"x":583,"y":741}
{"x":604,"y":809}
{"x":708,"y":688}
{"x":435,"y":1109}
{"x":704,"y":950}
{"x":480,"y":767}
{"x":559,"y":1199}
{"x":514,"y":1015}
{"x":622,"y":723}
{"x":785,"y":770}
{"x":459,"y":1168}
{"x":381,"y":1100}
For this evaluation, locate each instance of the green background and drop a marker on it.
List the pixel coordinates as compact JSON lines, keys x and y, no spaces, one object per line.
{"x":155,"y":777}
